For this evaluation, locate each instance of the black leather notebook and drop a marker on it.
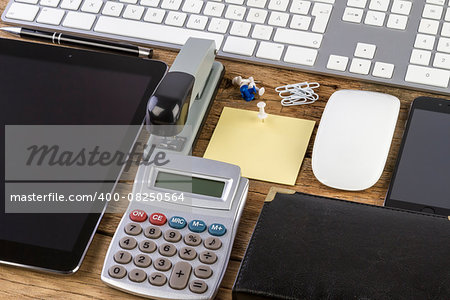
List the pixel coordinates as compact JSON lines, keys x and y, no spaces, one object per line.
{"x":309,"y":247}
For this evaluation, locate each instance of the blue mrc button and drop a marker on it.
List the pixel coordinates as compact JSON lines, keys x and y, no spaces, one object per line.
{"x":217,"y":229}
{"x":197,"y":226}
{"x":177,"y":222}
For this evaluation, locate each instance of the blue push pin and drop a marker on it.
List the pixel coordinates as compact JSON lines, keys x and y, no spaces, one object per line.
{"x":248,"y":88}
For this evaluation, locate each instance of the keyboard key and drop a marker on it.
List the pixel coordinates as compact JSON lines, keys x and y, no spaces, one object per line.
{"x":198,"y":286}
{"x":50,"y":16}
{"x":397,"y":22}
{"x":240,"y":28}
{"x":300,"y":55}
{"x":262,"y":32}
{"x":28,"y":1}
{"x":360,"y":66}
{"x":114,"y":9}
{"x":117,"y":272}
{"x":447,"y":15}
{"x":353,"y":15}
{"x":218,"y":25}
{"x":357,"y":3}
{"x":192,"y":6}
{"x":217,"y":229}
{"x":420,"y":57}
{"x":212,"y":243}
{"x":157,"y":279}
{"x":162,"y":264}
{"x":129,"y":1}
{"x":208,"y":257}
{"x":428,"y":76}
{"x":127,"y":243}
{"x":401,"y":7}
{"x":180,"y":275}
{"x":380,"y":5}
{"x":133,"y":229}
{"x":383,"y":70}
{"x":438,"y":2}
{"x":424,"y":42}
{"x":235,"y":45}
{"x":152,"y":232}
{"x":300,"y":7}
{"x":175,"y":18}
{"x":270,"y":51}
{"x":235,"y":12}
{"x":365,"y":50}
{"x":152,"y":3}
{"x":278,"y":19}
{"x":280,"y":5}
{"x":24,"y":12}
{"x":203,"y":272}
{"x":445,"y":30}
{"x":322,"y":13}
{"x":238,"y":2}
{"x":257,"y":15}
{"x":197,"y":22}
{"x":256,"y":3}
{"x":122,"y":257}
{"x":298,"y":38}
{"x":147,"y":246}
{"x":337,"y":62}
{"x":444,"y":45}
{"x":50,"y":3}
{"x":137,"y":275}
{"x":374,"y":18}
{"x":300,"y":22}
{"x":72,"y":5}
{"x":171,"y":4}
{"x":432,"y":11}
{"x":92,"y":6}
{"x":428,"y":26}
{"x":213,"y":9}
{"x":133,"y":12}
{"x":142,"y":261}
{"x":79,"y":20}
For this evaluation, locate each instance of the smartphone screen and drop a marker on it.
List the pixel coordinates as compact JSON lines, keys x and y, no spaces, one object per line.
{"x":421,"y":180}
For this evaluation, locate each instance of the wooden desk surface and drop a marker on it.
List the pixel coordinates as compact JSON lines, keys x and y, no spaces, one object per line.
{"x":16,"y":283}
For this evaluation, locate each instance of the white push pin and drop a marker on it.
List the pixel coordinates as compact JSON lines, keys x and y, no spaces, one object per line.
{"x":262,"y":114}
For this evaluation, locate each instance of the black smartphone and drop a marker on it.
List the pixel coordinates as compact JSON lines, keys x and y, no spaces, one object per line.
{"x":421,"y":178}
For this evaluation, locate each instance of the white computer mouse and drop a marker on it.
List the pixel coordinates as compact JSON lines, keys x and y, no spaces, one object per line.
{"x":353,"y":139}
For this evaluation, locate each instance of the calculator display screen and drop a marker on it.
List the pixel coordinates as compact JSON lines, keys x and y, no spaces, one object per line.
{"x":189,"y":184}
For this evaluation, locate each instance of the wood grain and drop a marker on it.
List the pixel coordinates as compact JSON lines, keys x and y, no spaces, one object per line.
{"x":18,"y":283}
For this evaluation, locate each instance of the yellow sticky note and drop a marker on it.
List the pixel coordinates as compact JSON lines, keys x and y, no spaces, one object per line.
{"x":272,"y":150}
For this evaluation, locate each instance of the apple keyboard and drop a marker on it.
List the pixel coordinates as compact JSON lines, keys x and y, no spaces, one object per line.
{"x":394,"y":42}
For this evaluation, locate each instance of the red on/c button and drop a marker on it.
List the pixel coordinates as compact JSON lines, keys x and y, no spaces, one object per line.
{"x":138,"y":215}
{"x":157,"y":219}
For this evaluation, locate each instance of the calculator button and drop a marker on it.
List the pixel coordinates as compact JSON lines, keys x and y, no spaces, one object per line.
{"x":172,"y":236}
{"x":162,"y":264}
{"x":157,"y":279}
{"x":147,"y":246}
{"x":180,"y":275}
{"x":203,"y":272}
{"x":188,"y":253}
{"x":127,"y":243}
{"x":167,"y":249}
{"x":157,"y":219}
{"x":192,"y":239}
{"x":133,"y":229}
{"x":117,"y":272}
{"x":208,"y":257}
{"x":177,"y":222}
{"x":212,"y":243}
{"x":217,"y":229}
{"x":137,"y":275}
{"x":152,"y":232}
{"x":122,"y":257}
{"x":138,"y":215}
{"x":142,"y":261}
{"x":198,"y":286}
{"x":197,"y":226}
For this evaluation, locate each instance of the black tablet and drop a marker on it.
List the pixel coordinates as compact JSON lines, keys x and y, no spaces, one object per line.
{"x":50,"y":85}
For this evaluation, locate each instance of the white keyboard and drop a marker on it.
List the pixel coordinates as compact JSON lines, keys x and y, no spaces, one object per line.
{"x":395,"y":42}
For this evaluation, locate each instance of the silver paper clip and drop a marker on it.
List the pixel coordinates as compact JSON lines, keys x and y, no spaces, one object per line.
{"x":298,"y":93}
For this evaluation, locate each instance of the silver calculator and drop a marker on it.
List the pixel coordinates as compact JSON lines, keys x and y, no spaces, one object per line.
{"x":175,"y":239}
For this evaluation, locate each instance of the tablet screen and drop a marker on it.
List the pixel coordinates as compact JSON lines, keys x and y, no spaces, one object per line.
{"x":46,"y":85}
